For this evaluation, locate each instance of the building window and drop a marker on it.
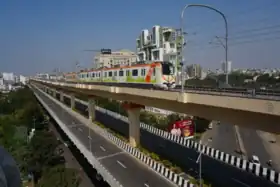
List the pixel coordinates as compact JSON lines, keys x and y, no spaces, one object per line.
{"x":127,"y":73}
{"x":110,"y":73}
{"x":121,"y":73}
{"x":105,"y":74}
{"x":115,"y":73}
{"x":135,"y":72}
{"x":143,"y":72}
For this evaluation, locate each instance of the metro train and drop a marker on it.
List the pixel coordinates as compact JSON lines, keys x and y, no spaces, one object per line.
{"x":159,"y":74}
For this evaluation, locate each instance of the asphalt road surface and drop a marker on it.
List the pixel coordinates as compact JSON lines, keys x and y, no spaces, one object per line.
{"x":126,"y":169}
{"x":71,"y":161}
{"x":224,"y":139}
{"x":253,"y":145}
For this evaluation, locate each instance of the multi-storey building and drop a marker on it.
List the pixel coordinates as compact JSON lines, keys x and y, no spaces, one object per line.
{"x":161,"y":44}
{"x":194,"y":71}
{"x":226,"y":67}
{"x":114,"y":59}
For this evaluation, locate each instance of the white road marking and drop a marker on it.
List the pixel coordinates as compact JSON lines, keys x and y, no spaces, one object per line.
{"x":111,"y":155}
{"x":89,"y":137}
{"x":102,"y":148}
{"x":146,"y":185}
{"x":121,"y":164}
{"x":239,"y":182}
{"x":80,"y":129}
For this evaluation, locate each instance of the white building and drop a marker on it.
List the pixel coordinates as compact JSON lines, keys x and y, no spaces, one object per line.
{"x":8,"y":77}
{"x":115,"y":58}
{"x":22,"y":80}
{"x":226,"y":67}
{"x":161,"y":44}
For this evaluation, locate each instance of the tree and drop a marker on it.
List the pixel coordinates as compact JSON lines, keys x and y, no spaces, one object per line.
{"x":60,"y":177}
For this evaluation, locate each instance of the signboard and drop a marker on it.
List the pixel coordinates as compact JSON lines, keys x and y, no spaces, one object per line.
{"x":182,"y":128}
{"x":106,"y":51}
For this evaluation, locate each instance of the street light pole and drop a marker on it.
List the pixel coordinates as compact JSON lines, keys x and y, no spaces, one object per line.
{"x":226,"y":28}
{"x":199,"y":159}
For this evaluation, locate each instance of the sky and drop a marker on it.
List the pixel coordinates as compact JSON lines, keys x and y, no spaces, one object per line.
{"x":40,"y":36}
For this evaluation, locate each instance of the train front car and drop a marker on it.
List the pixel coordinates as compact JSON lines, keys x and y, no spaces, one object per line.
{"x":168,"y":77}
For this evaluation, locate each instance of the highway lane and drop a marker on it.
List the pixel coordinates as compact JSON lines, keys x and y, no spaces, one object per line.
{"x":125,"y":168}
{"x":72,"y":162}
{"x":224,"y":139}
{"x":253,"y":145}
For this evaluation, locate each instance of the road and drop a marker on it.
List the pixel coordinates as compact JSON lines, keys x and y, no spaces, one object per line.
{"x":223,"y":138}
{"x":71,"y":161}
{"x":126,"y":169}
{"x":253,"y":145}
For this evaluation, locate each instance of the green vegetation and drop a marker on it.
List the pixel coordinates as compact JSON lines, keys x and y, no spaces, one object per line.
{"x":237,"y":79}
{"x":19,"y":113}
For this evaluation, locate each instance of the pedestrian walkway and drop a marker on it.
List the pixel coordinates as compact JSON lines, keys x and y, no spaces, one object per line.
{"x":272,"y":148}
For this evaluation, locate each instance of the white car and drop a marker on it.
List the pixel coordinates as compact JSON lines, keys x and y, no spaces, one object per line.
{"x":255,"y":160}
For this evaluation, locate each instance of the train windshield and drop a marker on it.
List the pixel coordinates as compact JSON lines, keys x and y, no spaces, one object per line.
{"x":167,"y":69}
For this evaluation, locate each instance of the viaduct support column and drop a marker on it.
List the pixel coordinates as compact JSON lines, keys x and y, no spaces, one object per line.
{"x":72,"y":101}
{"x":54,"y":93}
{"x":91,"y":109}
{"x":61,"y":97}
{"x":133,"y":111}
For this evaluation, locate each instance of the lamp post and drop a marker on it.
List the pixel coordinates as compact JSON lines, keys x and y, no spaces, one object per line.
{"x":226,"y":28}
{"x":199,"y":160}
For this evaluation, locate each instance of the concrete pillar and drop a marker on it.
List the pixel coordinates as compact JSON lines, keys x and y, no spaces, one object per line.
{"x":54,"y":93}
{"x":91,"y":109}
{"x":61,"y":95}
{"x":133,"y":111}
{"x":72,"y":99}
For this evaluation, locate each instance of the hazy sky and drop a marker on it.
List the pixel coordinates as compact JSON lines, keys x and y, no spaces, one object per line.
{"x":38,"y":36}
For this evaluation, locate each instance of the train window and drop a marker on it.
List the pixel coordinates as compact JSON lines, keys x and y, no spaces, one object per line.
{"x":110,"y":73}
{"x":127,"y":73}
{"x":121,"y":73}
{"x":115,"y":73}
{"x":135,"y":72}
{"x":143,"y":72}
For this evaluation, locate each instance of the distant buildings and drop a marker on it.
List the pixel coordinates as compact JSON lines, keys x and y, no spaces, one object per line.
{"x":113,"y":59}
{"x":226,"y":67}
{"x":161,"y":44}
{"x":8,"y":81}
{"x":194,"y":71}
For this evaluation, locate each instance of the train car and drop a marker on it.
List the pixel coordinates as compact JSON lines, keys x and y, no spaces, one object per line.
{"x":71,"y":77}
{"x":158,"y":74}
